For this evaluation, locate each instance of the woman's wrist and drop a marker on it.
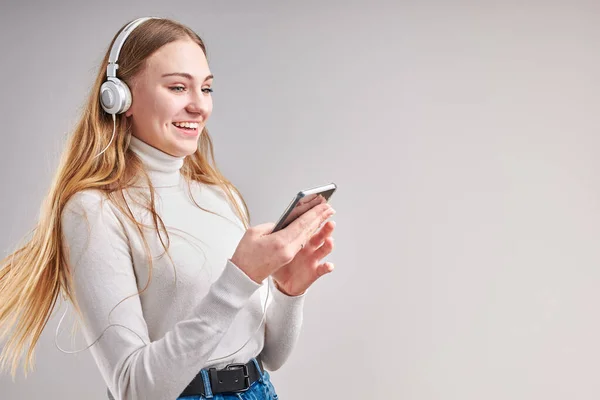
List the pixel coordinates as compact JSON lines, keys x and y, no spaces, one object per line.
{"x":278,"y":287}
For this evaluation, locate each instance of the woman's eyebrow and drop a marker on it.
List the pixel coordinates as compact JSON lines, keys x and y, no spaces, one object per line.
{"x":186,"y":75}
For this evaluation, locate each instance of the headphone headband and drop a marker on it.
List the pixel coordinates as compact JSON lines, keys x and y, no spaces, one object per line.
{"x":111,"y":69}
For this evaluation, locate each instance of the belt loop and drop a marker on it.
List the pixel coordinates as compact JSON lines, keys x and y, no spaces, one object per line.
{"x":260,"y":372}
{"x":207,"y":388}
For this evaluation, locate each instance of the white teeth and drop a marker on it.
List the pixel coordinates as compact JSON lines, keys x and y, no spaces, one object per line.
{"x":192,"y":125}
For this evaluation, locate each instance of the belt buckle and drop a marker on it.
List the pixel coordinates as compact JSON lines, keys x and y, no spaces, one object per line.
{"x":244,"y":369}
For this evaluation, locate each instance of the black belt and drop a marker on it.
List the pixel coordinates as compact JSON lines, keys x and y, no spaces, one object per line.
{"x":234,"y":378}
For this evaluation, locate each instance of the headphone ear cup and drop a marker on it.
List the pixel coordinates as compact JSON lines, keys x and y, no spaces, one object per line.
{"x":127,"y":96}
{"x":115,"y":96}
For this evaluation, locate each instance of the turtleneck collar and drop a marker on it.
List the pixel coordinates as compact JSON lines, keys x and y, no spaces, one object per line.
{"x":162,"y":168}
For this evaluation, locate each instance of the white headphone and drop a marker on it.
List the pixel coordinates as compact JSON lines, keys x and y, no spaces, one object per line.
{"x":115,"y":96}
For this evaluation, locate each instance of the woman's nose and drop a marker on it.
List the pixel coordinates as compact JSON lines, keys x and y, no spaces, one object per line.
{"x":199,"y":102}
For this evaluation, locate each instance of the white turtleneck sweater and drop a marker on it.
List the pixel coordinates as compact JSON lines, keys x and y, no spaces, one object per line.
{"x":197,"y":309}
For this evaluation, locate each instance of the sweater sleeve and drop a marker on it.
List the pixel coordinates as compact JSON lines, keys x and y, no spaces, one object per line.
{"x":133,"y":367}
{"x":284,"y":322}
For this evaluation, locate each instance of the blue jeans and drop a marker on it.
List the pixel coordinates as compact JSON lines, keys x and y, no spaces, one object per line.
{"x":262,"y":389}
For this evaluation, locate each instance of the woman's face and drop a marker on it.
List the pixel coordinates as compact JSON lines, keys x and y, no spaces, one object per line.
{"x":173,"y":88}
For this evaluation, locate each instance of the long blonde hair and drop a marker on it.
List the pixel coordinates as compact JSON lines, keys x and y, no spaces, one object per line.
{"x":35,"y":274}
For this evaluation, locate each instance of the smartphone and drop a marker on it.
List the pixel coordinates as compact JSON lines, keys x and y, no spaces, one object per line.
{"x":304,"y":201}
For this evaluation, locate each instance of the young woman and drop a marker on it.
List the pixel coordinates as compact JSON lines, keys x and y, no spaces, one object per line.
{"x":178,"y":295}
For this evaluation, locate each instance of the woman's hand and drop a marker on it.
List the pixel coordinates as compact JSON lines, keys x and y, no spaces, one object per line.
{"x":260,"y":253}
{"x":296,"y":277}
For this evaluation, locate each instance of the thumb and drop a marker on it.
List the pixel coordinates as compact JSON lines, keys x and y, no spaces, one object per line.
{"x":264,"y":229}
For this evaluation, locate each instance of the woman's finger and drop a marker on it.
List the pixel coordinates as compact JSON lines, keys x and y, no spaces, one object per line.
{"x":300,"y":231}
{"x":264,"y":229}
{"x":306,"y":204}
{"x":324,"y":250}
{"x":325,"y":268}
{"x":319,"y":237}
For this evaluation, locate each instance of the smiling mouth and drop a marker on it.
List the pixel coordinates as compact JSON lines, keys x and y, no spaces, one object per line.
{"x":190,"y":128}
{"x":187,"y":130}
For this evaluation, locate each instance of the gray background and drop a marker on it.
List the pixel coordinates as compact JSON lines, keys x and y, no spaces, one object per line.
{"x":463,"y":136}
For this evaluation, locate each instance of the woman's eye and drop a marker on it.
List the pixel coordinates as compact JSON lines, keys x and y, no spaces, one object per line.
{"x":180,"y":89}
